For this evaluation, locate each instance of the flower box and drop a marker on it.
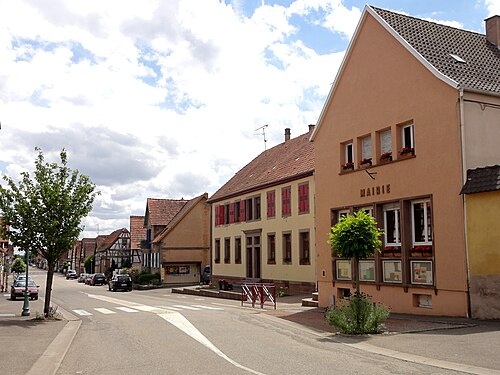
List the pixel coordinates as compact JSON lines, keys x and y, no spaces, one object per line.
{"x":406,"y":152}
{"x":365,"y":163}
{"x":349,"y":166}
{"x":386,"y":157}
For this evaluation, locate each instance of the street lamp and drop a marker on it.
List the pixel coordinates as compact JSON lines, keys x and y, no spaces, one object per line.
{"x":26,"y":304}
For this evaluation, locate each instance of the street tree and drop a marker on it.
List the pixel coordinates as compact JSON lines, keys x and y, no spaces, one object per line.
{"x":18,"y":266}
{"x":356,"y":237}
{"x":44,"y":211}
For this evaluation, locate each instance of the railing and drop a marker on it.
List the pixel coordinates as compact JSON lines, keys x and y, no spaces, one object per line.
{"x":258,"y":293}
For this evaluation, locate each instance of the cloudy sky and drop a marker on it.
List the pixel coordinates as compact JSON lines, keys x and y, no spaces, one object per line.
{"x":164,"y":98}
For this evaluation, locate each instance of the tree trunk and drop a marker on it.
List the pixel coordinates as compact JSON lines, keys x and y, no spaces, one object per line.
{"x":48,"y":288}
{"x":356,"y":274}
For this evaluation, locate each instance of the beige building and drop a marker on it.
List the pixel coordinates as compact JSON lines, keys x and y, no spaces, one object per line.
{"x":263,"y":219}
{"x":414,"y":105}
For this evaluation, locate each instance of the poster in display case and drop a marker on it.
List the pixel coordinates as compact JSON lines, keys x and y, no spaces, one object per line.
{"x":344,"y":270}
{"x":392,"y":271}
{"x":366,"y":270}
{"x":421,"y":272}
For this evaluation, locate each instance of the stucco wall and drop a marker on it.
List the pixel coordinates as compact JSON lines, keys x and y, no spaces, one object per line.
{"x":381,"y":87}
{"x":294,"y":223}
{"x":483,"y":238}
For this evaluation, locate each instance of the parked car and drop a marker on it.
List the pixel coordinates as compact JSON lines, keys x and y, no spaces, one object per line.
{"x":17,"y":289}
{"x":205,"y":276}
{"x":22,"y":277}
{"x":82,"y":277}
{"x":123,"y":282}
{"x":88,"y":278}
{"x":71,"y":274}
{"x":98,"y":279}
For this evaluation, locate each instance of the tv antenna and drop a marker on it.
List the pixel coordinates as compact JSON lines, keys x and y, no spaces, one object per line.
{"x":263,"y":128}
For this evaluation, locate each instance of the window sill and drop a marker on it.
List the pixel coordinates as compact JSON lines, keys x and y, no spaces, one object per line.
{"x":271,"y":262}
{"x":305,"y":263}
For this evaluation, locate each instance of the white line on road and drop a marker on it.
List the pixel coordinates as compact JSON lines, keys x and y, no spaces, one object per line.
{"x":169,"y":307}
{"x":126,"y":309}
{"x":209,"y":307}
{"x":103,"y":310}
{"x":187,"y":307}
{"x":5,"y":315}
{"x":82,"y":312}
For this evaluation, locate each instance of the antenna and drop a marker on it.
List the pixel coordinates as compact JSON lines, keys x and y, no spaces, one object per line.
{"x":263,"y":127}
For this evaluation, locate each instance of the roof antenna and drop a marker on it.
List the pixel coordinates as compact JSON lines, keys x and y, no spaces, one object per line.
{"x":264,"y":134}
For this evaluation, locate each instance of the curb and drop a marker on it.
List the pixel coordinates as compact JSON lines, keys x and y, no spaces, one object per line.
{"x":51,"y":359}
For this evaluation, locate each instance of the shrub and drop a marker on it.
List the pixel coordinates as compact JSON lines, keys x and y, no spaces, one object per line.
{"x":148,"y":278}
{"x":358,"y":315}
{"x":134,"y":275}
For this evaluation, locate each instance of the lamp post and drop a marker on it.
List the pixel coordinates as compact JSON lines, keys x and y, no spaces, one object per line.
{"x":26,"y":304}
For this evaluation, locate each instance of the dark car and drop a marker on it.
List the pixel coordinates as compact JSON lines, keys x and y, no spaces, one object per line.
{"x":205,"y":275}
{"x":98,"y":279}
{"x":123,"y":282}
{"x":17,"y":289}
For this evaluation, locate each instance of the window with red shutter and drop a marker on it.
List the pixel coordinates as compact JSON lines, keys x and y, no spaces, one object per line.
{"x":221,"y":215}
{"x":242,"y":211}
{"x":216,"y":210}
{"x":304,"y":198}
{"x":285,"y":201}
{"x":271,"y":204}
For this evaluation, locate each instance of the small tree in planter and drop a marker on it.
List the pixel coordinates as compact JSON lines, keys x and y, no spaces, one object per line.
{"x":18,"y":266}
{"x":356,"y":237}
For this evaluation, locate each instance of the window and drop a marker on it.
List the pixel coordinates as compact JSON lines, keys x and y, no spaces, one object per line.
{"x":237,"y":250}
{"x":243,"y":216}
{"x":385,"y":141}
{"x":366,"y":148}
{"x":217,"y":251}
{"x":219,"y":215}
{"x":271,"y":248}
{"x":271,"y":204}
{"x":287,"y":248}
{"x":237,"y":214}
{"x":421,"y":272}
{"x":304,"y":198}
{"x":392,"y":232}
{"x":421,"y":222}
{"x":286,"y":197}
{"x":366,"y":270}
{"x":343,"y":269}
{"x":348,"y":153}
{"x":252,"y":208}
{"x":407,"y":136}
{"x":231,"y":213}
{"x":304,"y":248}
{"x":226,"y":214}
{"x":392,"y":271}
{"x":227,"y":250}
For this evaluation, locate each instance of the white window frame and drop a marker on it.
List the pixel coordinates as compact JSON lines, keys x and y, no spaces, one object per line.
{"x":426,"y":224}
{"x":349,"y":155}
{"x":397,"y":224}
{"x":403,"y":138}
{"x":367,"y":209}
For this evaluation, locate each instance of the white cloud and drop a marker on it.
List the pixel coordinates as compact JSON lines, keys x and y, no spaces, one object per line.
{"x":493,"y":7}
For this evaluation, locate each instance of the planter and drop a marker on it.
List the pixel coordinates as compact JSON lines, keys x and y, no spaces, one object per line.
{"x":365,"y":165}
{"x":385,"y":160}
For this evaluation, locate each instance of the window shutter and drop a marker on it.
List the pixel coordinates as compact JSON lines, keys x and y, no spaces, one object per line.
{"x":221,"y":215}
{"x":306,"y":197}
{"x":216,"y":210}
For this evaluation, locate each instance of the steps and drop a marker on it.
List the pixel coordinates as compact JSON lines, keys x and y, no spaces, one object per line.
{"x":311,"y":301}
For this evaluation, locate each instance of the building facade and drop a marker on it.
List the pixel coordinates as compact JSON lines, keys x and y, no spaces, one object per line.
{"x":395,"y":137}
{"x":263,"y":219}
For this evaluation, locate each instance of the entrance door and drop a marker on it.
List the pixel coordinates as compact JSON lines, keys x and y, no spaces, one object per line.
{"x":253,"y":256}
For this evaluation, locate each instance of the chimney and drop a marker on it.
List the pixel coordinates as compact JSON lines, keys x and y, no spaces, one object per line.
{"x":311,"y":127}
{"x":287,"y":134}
{"x":493,"y":30}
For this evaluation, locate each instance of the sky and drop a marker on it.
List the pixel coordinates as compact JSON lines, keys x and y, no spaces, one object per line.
{"x":170,"y":98}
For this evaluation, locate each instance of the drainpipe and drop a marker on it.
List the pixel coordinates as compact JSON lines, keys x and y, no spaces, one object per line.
{"x":464,"y":179}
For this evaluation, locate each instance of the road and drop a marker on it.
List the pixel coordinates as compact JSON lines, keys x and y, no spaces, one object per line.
{"x":157,"y":332}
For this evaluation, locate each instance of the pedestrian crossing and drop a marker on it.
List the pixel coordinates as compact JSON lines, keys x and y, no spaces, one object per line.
{"x":124,"y":309}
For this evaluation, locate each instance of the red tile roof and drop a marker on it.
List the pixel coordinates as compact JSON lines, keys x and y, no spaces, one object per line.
{"x":111,"y":239}
{"x":137,"y":231}
{"x":162,"y":211}
{"x":289,"y":160}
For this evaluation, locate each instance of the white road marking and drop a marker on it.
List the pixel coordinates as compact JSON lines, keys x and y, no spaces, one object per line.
{"x":82,"y":312}
{"x":176,"y":319}
{"x":209,"y":307}
{"x":187,"y":307}
{"x":6,"y":315}
{"x":199,"y":299}
{"x":169,"y":307}
{"x":126,"y":309}
{"x":102,"y":310}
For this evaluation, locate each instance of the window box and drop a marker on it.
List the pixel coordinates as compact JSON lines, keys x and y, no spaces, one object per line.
{"x":386,"y":157}
{"x":421,"y":251}
{"x":349,"y":166}
{"x":392,"y":251}
{"x":406,"y":152}
{"x":365,"y":163}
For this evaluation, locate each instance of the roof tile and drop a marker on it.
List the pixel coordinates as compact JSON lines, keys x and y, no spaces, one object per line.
{"x":481,"y":180}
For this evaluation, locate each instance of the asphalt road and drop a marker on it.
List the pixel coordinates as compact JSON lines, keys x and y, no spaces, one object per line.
{"x":156,"y":332}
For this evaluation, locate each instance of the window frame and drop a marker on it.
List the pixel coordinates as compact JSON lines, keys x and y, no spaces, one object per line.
{"x":397,"y":223}
{"x":303,"y":260}
{"x":217,"y":250}
{"x":411,"y":134}
{"x":427,"y":202}
{"x":349,"y":152}
{"x":227,"y":250}
{"x":237,"y":250}
{"x":285,"y":236}
{"x":271,"y":248}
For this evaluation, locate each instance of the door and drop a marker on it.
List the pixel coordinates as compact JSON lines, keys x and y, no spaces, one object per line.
{"x":253,"y":261}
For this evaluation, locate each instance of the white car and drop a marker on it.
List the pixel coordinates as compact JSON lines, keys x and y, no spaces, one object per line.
{"x":71,"y":274}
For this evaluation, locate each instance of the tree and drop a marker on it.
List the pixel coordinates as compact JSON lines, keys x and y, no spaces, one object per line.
{"x":44,"y":211}
{"x":18,"y":266}
{"x":355,"y":237}
{"x":89,"y":263}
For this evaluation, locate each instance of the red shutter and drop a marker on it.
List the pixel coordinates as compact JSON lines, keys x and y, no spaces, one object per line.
{"x":242,"y":211}
{"x":306,"y":198}
{"x":221,"y":215}
{"x":231,"y":213}
{"x":271,"y":207}
{"x":216,"y":211}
